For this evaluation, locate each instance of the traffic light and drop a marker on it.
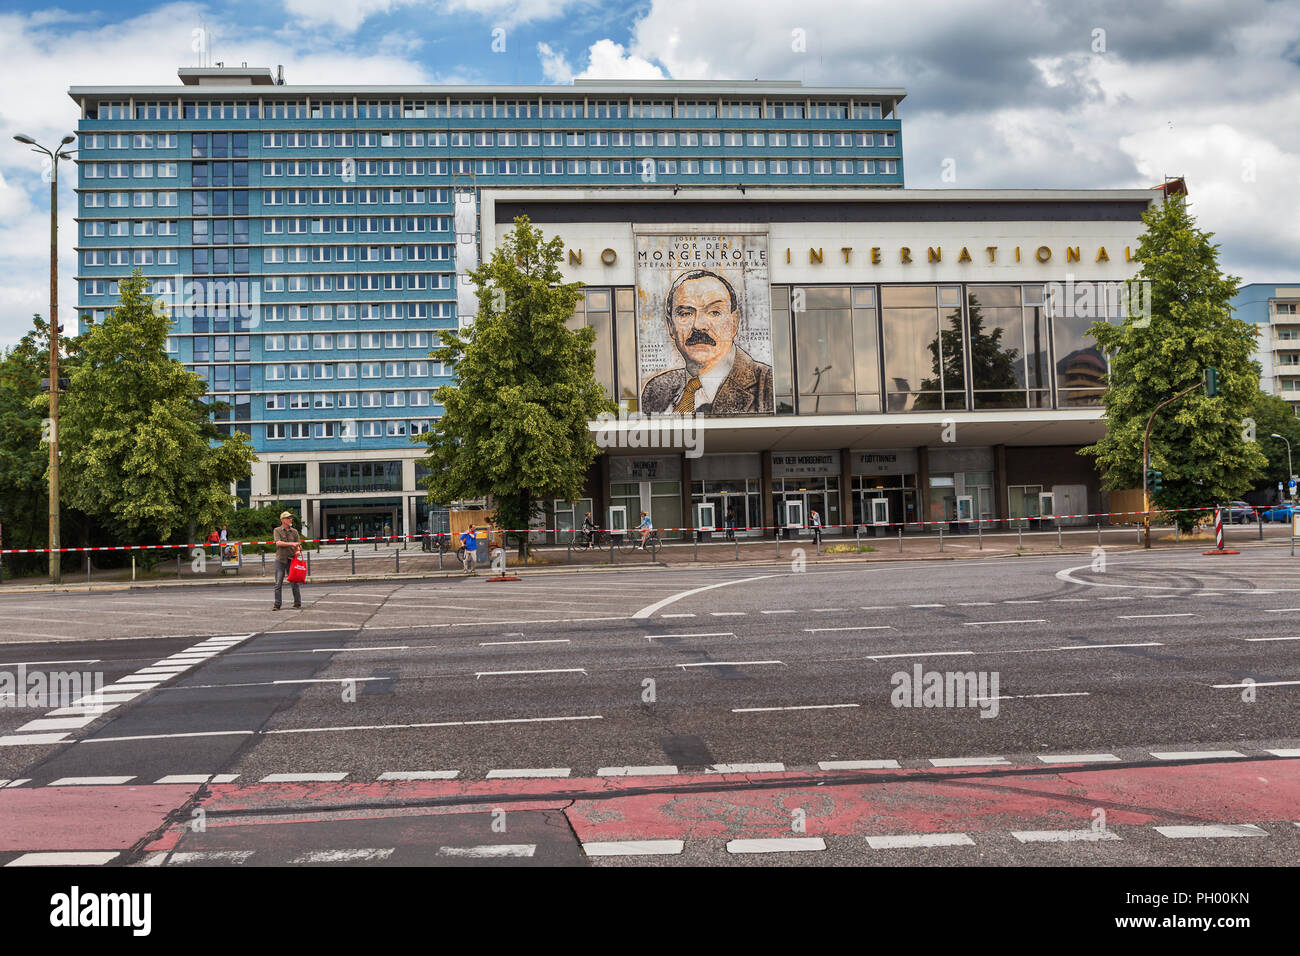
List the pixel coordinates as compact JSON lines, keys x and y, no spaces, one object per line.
{"x":1211,"y":382}
{"x":1153,"y":481}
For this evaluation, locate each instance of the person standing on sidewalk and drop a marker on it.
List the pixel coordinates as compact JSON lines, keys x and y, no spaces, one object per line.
{"x":470,"y":541}
{"x":288,"y":543}
{"x":817,"y":527}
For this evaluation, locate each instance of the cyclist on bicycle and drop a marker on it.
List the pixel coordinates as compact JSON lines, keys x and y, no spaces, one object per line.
{"x":645,"y":528}
{"x":589,"y":530}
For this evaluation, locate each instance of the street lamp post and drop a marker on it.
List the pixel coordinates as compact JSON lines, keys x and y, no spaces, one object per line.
{"x":58,"y":154}
{"x":1289,"y":471}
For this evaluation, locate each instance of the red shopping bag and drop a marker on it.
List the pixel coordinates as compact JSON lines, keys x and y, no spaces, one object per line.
{"x":297,"y":570}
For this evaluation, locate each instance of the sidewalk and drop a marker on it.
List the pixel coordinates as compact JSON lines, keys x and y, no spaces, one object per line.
{"x":335,"y":564}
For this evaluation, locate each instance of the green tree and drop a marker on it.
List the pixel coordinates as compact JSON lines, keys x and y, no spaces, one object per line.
{"x":140,"y":450}
{"x":24,"y":459}
{"x":1273,"y":415}
{"x":1199,"y":443}
{"x":514,"y":426}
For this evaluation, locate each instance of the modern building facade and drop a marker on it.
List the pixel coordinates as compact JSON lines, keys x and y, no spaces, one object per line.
{"x":1275,"y":312}
{"x":882,"y":354}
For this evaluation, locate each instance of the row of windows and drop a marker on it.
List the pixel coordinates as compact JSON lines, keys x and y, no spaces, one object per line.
{"x":130,"y":227}
{"x":130,"y":257}
{"x":346,"y":430}
{"x":349,"y":340}
{"x":506,"y":109}
{"x":117,"y":200}
{"x":128,"y":170}
{"x":569,"y":138}
{"x":337,"y":253}
{"x":324,"y":371}
{"x":336,"y":399}
{"x":129,"y":140}
{"x":577,"y":167}
{"x":363,"y":197}
{"x":348,"y":282}
{"x":346,"y":311}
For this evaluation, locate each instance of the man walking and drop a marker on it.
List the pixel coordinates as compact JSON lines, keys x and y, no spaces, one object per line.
{"x":470,"y":542}
{"x":288,"y":543}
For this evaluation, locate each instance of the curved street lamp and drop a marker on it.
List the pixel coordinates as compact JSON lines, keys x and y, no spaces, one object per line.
{"x":1289,"y":472}
{"x":57,"y":154}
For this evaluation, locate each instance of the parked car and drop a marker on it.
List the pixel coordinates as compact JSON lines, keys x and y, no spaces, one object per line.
{"x":1239,"y":512}
{"x":1280,"y":512}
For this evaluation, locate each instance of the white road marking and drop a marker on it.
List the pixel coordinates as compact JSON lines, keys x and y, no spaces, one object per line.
{"x":1022,"y":602}
{"x":1036,"y":620}
{"x":556,"y":640}
{"x":1077,"y":693}
{"x":1070,"y":600}
{"x":1099,"y":647}
{"x":22,"y":780}
{"x":790,"y":610}
{"x":776,"y":845}
{"x":1280,"y":610}
{"x":202,"y":857}
{"x":386,"y":647}
{"x":917,"y":840}
{"x":975,"y":604}
{"x":1134,"y":617}
{"x":869,"y":627}
{"x":748,"y":768}
{"x":420,"y":775}
{"x":886,"y":657}
{"x":655,"y":637}
{"x":926,"y":605}
{"x":489,"y":852}
{"x":969,"y":761}
{"x":1214,"y":830}
{"x":661,"y":771}
{"x":553,"y":670}
{"x":17,"y":740}
{"x":673,"y":598}
{"x":878,"y":607}
{"x":92,"y":660}
{"x":201,"y":733}
{"x":303,"y":778}
{"x":1285,"y":753}
{"x":762,"y":710}
{"x":1256,"y":683}
{"x":1078,"y":758}
{"x":635,"y":848}
{"x":858,"y":765}
{"x":199,"y":778}
{"x":827,"y":609}
{"x":528,"y":772}
{"x":343,"y":856}
{"x":91,"y":781}
{"x":65,"y":858}
{"x":726,"y":613}
{"x":445,"y":723}
{"x":1064,"y":836}
{"x":1194,"y":754}
{"x":61,"y":723}
{"x":1271,"y":638}
{"x":730,"y":664}
{"x":676,"y":615}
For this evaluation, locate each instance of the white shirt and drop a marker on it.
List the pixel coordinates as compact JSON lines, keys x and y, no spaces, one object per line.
{"x":711,"y":380}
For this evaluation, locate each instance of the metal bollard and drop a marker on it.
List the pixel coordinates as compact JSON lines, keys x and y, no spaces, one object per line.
{"x":900,"y":539}
{"x":778,"y":544}
{"x":611,"y":549}
{"x":979,"y":530}
{"x":87,"y":567}
{"x":695,"y":536}
{"x":133,"y":567}
{"x":178,"y":565}
{"x":308,"y":553}
{"x":941,"y":539}
{"x":397,"y":561}
{"x":1059,"y":546}
{"x":263,"y":557}
{"x":736,"y":542}
{"x":1020,"y":536}
{"x":354,"y":557}
{"x":1099,"y":534}
{"x":354,"y":563}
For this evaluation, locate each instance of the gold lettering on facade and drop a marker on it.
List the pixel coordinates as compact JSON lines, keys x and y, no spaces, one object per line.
{"x":814,"y":255}
{"x":1128,"y":254}
{"x":1071,"y":253}
{"x":1043,"y":258}
{"x":846,"y":250}
{"x":575,"y":258}
{"x":905,"y":254}
{"x":608,"y":256}
{"x":1101,"y":255}
{"x":1017,"y":253}
{"x":993,"y":253}
{"x":875,"y":255}
{"x":787,"y":256}
{"x":965,"y":256}
{"x":936,"y":255}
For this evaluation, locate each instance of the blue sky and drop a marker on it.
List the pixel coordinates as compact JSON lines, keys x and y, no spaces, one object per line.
{"x":1006,"y":93}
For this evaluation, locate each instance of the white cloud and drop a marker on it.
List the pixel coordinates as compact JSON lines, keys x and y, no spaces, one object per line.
{"x":555,"y":67}
{"x":346,"y":15}
{"x":514,"y":12}
{"x":607,"y":60}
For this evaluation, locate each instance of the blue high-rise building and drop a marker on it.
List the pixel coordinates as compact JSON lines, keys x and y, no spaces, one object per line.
{"x":310,"y":245}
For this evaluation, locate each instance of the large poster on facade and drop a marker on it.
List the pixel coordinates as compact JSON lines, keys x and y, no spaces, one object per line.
{"x":704,"y":324}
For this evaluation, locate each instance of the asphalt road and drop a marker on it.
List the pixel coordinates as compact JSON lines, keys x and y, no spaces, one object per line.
{"x":555,"y":719}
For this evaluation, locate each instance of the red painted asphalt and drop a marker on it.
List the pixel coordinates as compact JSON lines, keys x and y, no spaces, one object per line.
{"x":691,"y":806}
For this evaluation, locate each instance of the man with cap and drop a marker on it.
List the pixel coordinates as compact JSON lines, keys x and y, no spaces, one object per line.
{"x":287,"y":545}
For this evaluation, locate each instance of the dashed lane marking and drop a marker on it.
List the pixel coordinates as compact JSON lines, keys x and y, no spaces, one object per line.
{"x":91,"y":781}
{"x":303,"y":778}
{"x":1035,"y":620}
{"x":1134,"y":617}
{"x":528,"y":772}
{"x":1064,"y":836}
{"x":551,"y":670}
{"x":66,"y":858}
{"x":635,"y":848}
{"x":858,"y":765}
{"x":730,"y":664}
{"x":1195,"y":754}
{"x":489,"y":852}
{"x":419,"y":775}
{"x":918,"y":840}
{"x":776,"y":845}
{"x":764,"y":710}
{"x":199,"y":778}
{"x":748,"y":768}
{"x":1212,"y":831}
{"x":358,"y":855}
{"x":969,"y":761}
{"x":1078,"y":758}
{"x":659,"y":771}
{"x":866,"y":627}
